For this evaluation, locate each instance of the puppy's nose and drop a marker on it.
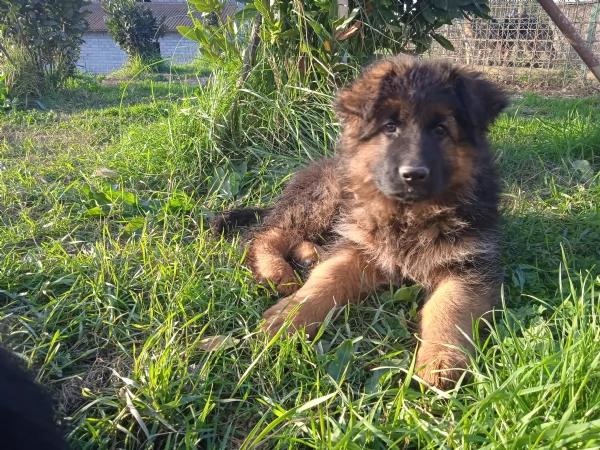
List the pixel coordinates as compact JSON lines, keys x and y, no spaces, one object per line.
{"x":414,"y":175}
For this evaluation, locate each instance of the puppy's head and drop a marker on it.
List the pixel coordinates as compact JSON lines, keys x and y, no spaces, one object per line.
{"x":416,"y":130}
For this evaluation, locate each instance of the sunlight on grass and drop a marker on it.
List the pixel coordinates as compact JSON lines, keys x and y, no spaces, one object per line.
{"x":144,"y":325}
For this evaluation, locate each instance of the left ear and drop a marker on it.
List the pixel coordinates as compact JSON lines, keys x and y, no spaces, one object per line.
{"x":482,"y":100}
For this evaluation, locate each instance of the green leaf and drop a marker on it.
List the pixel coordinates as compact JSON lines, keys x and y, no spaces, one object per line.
{"x":372,"y":384}
{"x":408,"y":293}
{"x":344,"y":355}
{"x":187,"y":32}
{"x":445,"y":43}
{"x":394,"y":28}
{"x":428,"y":14}
{"x":333,"y":10}
{"x":95,"y":211}
{"x":248,"y":13}
{"x":135,"y":224}
{"x":258,"y":4}
{"x":205,"y":6}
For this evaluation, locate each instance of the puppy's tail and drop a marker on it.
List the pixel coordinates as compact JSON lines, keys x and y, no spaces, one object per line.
{"x":227,"y":221}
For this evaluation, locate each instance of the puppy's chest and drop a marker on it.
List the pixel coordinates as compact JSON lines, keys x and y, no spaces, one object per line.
{"x":409,"y":248}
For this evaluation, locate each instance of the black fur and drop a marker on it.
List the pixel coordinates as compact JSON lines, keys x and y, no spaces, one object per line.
{"x":226,"y":222}
{"x":26,"y":410}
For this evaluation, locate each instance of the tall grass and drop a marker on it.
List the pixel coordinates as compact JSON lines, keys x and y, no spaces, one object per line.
{"x":144,"y":325}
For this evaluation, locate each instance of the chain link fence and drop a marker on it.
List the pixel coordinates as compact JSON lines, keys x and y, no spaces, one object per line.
{"x":521,"y":46}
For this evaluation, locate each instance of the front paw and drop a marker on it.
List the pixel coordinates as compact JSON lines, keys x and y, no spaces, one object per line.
{"x":440,"y":366}
{"x":276,"y":316}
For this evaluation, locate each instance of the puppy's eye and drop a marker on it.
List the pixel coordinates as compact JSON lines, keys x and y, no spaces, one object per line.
{"x":441,"y":130}
{"x":389,"y":128}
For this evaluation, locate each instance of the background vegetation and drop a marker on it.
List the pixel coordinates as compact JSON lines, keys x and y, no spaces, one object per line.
{"x":135,"y":29}
{"x":317,"y":40}
{"x":144,"y":325}
{"x":39,"y":43}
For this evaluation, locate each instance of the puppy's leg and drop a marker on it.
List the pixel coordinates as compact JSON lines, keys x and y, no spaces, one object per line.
{"x":344,"y":278}
{"x":304,"y":210}
{"x":453,"y":306}
{"x":267,"y":259}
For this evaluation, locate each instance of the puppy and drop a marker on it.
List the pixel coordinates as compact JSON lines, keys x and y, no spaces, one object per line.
{"x":411,"y":195}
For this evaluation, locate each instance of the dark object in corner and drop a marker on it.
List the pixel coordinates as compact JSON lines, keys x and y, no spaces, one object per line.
{"x":26,"y":410}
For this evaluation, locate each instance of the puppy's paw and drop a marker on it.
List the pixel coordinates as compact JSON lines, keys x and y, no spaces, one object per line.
{"x":276,"y":316}
{"x":440,"y":366}
{"x":306,"y":254}
{"x":282,"y":278}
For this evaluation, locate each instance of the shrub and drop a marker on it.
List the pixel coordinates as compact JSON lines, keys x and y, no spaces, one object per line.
{"x":135,"y":28}
{"x":4,"y":100}
{"x":23,"y":78}
{"x":40,"y":42}
{"x":315,"y":38}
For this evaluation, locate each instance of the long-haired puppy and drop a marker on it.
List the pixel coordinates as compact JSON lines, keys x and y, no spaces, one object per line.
{"x":412,"y":195}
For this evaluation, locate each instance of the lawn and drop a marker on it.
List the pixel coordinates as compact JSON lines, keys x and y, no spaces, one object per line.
{"x":145,"y":326}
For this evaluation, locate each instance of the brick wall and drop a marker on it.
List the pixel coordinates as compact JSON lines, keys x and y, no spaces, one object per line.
{"x":101,"y":55}
{"x":178,"y":49}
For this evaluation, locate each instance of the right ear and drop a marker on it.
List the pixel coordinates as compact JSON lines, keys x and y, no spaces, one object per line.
{"x":354,"y":104}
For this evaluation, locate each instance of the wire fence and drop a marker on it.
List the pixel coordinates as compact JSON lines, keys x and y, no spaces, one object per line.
{"x":522,"y":46}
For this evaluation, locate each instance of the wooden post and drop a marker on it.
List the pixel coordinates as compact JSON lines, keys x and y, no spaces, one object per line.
{"x":468,"y":39}
{"x":569,"y":31}
{"x":591,"y":33}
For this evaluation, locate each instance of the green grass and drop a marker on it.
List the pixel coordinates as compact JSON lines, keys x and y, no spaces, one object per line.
{"x":144,"y":326}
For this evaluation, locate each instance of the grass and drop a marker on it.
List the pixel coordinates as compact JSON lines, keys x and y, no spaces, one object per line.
{"x":145,"y":327}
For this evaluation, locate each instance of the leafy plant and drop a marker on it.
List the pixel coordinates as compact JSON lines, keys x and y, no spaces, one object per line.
{"x":4,"y":100}
{"x":220,"y":41}
{"x":135,"y":28}
{"x":40,"y":40}
{"x":315,"y":36}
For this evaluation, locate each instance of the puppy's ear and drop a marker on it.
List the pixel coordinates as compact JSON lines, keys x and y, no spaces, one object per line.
{"x":350,"y":105}
{"x":482,"y":100}
{"x":354,"y":104}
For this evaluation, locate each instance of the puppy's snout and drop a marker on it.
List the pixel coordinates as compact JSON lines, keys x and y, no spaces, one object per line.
{"x":414,"y":175}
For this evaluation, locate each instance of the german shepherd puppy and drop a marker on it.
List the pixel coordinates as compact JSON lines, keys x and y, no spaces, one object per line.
{"x":412,"y":195}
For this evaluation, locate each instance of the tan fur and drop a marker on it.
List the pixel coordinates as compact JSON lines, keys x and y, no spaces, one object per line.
{"x":343,"y":278}
{"x":306,"y":253}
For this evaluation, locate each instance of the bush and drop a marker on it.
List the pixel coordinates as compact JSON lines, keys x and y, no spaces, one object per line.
{"x":23,"y":78}
{"x":40,"y":42}
{"x":314,"y":38}
{"x":4,"y":100}
{"x":135,"y":28}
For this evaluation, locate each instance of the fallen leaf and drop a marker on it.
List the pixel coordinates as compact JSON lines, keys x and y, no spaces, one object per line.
{"x":584,"y":167}
{"x":353,"y":29}
{"x":106,"y":173}
{"x":210,"y":344}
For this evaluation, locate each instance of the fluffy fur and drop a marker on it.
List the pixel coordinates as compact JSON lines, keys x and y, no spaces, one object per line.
{"x":26,"y":410}
{"x":412,"y":195}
